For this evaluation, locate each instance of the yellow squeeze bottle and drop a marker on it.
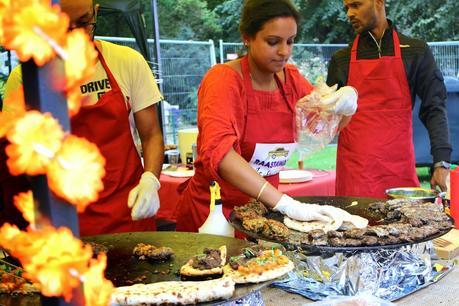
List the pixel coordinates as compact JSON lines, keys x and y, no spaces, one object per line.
{"x":216,"y":223}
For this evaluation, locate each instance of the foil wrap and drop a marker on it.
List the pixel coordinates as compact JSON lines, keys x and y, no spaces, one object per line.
{"x":252,"y":299}
{"x":388,"y":274}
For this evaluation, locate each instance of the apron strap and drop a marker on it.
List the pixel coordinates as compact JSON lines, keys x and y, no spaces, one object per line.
{"x":114,"y":85}
{"x":246,"y":74}
{"x":397,"y":49}
{"x":354,"y":48}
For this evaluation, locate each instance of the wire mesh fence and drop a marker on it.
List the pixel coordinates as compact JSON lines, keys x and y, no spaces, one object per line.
{"x":184,"y":63}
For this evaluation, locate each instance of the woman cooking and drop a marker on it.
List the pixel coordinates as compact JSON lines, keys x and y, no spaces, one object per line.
{"x":246,"y":120}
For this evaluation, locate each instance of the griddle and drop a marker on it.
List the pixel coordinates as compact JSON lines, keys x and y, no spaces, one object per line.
{"x":124,"y":269}
{"x":295,"y":239}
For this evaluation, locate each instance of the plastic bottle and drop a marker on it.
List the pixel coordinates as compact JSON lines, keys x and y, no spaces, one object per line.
{"x":216,"y":223}
{"x":454,"y":203}
{"x":448,"y":184}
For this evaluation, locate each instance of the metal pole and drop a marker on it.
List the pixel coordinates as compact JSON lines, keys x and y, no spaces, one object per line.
{"x":40,"y":95}
{"x":213,"y":59}
{"x":157,"y":59}
{"x":220,"y":42}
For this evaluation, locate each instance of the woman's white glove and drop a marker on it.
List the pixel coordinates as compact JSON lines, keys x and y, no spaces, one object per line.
{"x":343,"y":101}
{"x":144,"y":199}
{"x":308,"y":212}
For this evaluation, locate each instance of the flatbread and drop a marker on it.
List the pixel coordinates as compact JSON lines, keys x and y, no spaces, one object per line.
{"x":188,"y":270}
{"x":174,"y":292}
{"x":240,"y":278}
{"x":307,"y":226}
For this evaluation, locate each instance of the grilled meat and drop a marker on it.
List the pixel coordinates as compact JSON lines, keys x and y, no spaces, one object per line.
{"x":209,"y":260}
{"x":275,"y":229}
{"x":150,"y":252}
{"x":255,"y":225}
{"x":252,"y":209}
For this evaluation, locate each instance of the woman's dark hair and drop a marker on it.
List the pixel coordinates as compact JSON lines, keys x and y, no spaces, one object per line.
{"x":256,"y":13}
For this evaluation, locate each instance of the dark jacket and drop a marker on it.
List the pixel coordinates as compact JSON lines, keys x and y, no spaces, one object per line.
{"x":424,"y":79}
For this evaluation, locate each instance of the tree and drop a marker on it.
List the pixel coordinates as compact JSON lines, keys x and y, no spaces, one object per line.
{"x":178,"y":19}
{"x":428,"y":20}
{"x":229,"y":13}
{"x":323,"y":22}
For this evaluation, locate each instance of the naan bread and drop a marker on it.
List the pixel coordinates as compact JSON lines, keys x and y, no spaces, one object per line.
{"x":174,"y":292}
{"x":306,"y":226}
{"x":241,"y":278}
{"x":188,"y":270}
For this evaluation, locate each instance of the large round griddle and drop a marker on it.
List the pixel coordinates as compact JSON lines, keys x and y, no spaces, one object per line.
{"x":124,"y":269}
{"x":296,"y":238}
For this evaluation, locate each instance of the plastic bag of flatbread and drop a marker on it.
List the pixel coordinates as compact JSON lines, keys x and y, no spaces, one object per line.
{"x":316,"y":123}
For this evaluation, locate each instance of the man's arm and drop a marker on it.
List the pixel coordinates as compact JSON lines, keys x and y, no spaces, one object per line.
{"x":431,"y":89}
{"x":338,"y":68}
{"x":149,"y":129}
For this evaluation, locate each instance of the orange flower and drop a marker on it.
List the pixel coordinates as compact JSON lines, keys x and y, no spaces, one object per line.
{"x":35,"y":138}
{"x":52,"y":257}
{"x":17,"y":243}
{"x":4,"y":5}
{"x":34,"y":30}
{"x":81,"y":58}
{"x":13,"y":109}
{"x":76,"y":172}
{"x":25,"y":203}
{"x":74,"y":100}
{"x":97,"y":289}
{"x":58,"y":265}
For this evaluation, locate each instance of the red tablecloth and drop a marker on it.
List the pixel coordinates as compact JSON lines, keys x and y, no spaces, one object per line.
{"x":322,"y":184}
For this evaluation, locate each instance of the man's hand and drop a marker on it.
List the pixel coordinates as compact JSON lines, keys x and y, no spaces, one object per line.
{"x":439,"y":178}
{"x":343,"y":101}
{"x":144,"y":199}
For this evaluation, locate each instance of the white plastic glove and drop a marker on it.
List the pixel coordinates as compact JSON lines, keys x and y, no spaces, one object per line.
{"x":144,"y":199}
{"x":309,"y":212}
{"x":343,"y":101}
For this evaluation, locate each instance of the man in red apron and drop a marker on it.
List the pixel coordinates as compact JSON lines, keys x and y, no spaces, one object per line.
{"x":375,"y":151}
{"x":122,"y":82}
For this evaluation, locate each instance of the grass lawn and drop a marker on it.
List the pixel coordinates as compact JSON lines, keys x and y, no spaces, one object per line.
{"x":326,"y":160}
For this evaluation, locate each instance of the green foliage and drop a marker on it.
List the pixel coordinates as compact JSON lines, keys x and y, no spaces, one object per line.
{"x":229,"y":13}
{"x":428,"y":20}
{"x":178,"y":19}
{"x":324,"y":21}
{"x":186,"y":19}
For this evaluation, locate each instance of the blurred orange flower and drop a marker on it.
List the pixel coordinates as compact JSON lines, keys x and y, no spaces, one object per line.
{"x":4,"y":4}
{"x":25,"y":203}
{"x":76,"y":172}
{"x":35,"y":138}
{"x":34,"y":29}
{"x":13,"y":109}
{"x":75,"y":100}
{"x":97,"y":289}
{"x":81,"y":58}
{"x":52,"y":257}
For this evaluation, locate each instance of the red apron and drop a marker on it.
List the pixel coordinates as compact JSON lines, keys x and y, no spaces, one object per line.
{"x":375,"y":151}
{"x":106,"y":124}
{"x":263,"y":126}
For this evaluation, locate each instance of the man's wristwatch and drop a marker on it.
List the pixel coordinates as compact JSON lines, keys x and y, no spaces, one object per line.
{"x":442,"y":164}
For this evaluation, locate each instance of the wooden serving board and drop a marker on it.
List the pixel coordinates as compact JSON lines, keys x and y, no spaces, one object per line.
{"x":447,"y":246}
